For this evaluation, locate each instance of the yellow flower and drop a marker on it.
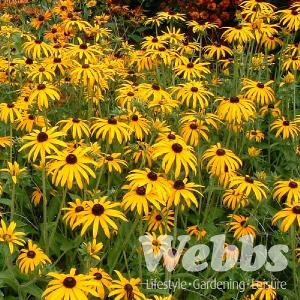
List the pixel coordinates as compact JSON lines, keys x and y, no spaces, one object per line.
{"x":287,"y":190}
{"x":177,"y":155}
{"x":31,"y":257}
{"x":125,"y":289}
{"x":70,"y":286}
{"x":92,"y":248}
{"x":69,"y":166}
{"x":264,"y":290}
{"x":112,"y":162}
{"x":42,"y":142}
{"x":37,"y":48}
{"x":99,"y":213}
{"x":9,"y":112}
{"x":9,"y":236}
{"x":14,"y":171}
{"x":254,"y":152}
{"x":103,"y":281}
{"x":286,"y":128}
{"x":234,"y":199}
{"x":240,"y":227}
{"x":77,"y":126}
{"x":199,"y":233}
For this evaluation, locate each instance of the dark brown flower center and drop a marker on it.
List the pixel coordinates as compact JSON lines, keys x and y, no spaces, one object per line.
{"x":234,"y":99}
{"x":130,"y":94}
{"x":83,"y":46}
{"x":286,"y":123}
{"x":152,"y":176}
{"x":98,"y":209}
{"x":75,"y":120}
{"x":38,"y":42}
{"x":57,"y":60}
{"x":154,"y":40}
{"x":31,"y":254}
{"x":42,"y":137}
{"x":129,"y":289}
{"x":158,"y":218}
{"x":141,"y":190}
{"x":79,"y":209}
{"x":296,"y":210}
{"x":31,"y":117}
{"x":293,"y":184}
{"x":179,"y":185}
{"x":271,"y":106}
{"x":155,"y":243}
{"x":71,"y":159}
{"x":193,"y":126}
{"x":85,"y":66}
{"x":294,"y":12}
{"x":10,"y":105}
{"x":194,"y":89}
{"x":41,"y":86}
{"x":220,"y":152}
{"x":177,"y":148}
{"x":243,"y":223}
{"x":28,"y":61}
{"x":69,"y":282}
{"x":112,"y":121}
{"x":253,"y":132}
{"x":109,"y":158}
{"x":42,"y":69}
{"x":41,"y":18}
{"x":135,"y":118}
{"x":249,"y":179}
{"x":155,"y":87}
{"x":53,"y":30}
{"x":260,"y":85}
{"x":171,"y":136}
{"x":98,"y":276}
{"x":190,"y":65}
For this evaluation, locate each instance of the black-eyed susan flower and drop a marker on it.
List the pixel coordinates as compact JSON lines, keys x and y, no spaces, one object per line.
{"x":256,"y":135}
{"x":111,"y":129}
{"x":160,"y":220}
{"x":169,"y":297}
{"x":201,"y":27}
{"x":196,"y":231}
{"x":220,"y":158}
{"x":37,"y":49}
{"x":264,"y":290}
{"x":151,"y":42}
{"x":41,"y":73}
{"x":239,"y":225}
{"x":140,"y":125}
{"x":83,"y":51}
{"x":193,"y":131}
{"x":31,"y":258}
{"x":9,"y":112}
{"x":231,"y":252}
{"x":72,"y":212}
{"x":170,"y":16}
{"x":193,"y":94}
{"x":28,"y":121}
{"x":103,"y":280}
{"x":76,"y":126}
{"x":236,"y":109}
{"x":137,"y":198}
{"x":253,"y":151}
{"x":153,"y":92}
{"x":14,"y":170}
{"x":248,"y":185}
{"x":285,"y":128}
{"x":291,"y":63}
{"x":93,"y":248}
{"x":140,"y":152}
{"x":183,"y":193}
{"x":42,"y":142}
{"x":125,"y":289}
{"x":44,"y":92}
{"x":290,"y":215}
{"x":9,"y":235}
{"x":287,"y":190}
{"x":112,"y":162}
{"x":259,"y":92}
{"x":99,"y":214}
{"x":177,"y":155}
{"x":272,"y":109}
{"x":151,"y":180}
{"x":70,"y":286}
{"x":234,"y":199}
{"x":217,"y":51}
{"x":66,"y":167}
{"x":290,"y":18}
{"x":191,"y":70}
{"x":240,"y":34}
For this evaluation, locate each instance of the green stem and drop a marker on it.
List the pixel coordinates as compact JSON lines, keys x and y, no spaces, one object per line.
{"x":45,"y":219}
{"x":13,"y":200}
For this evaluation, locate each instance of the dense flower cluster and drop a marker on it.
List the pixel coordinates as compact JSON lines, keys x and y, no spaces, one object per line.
{"x":102,"y":141}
